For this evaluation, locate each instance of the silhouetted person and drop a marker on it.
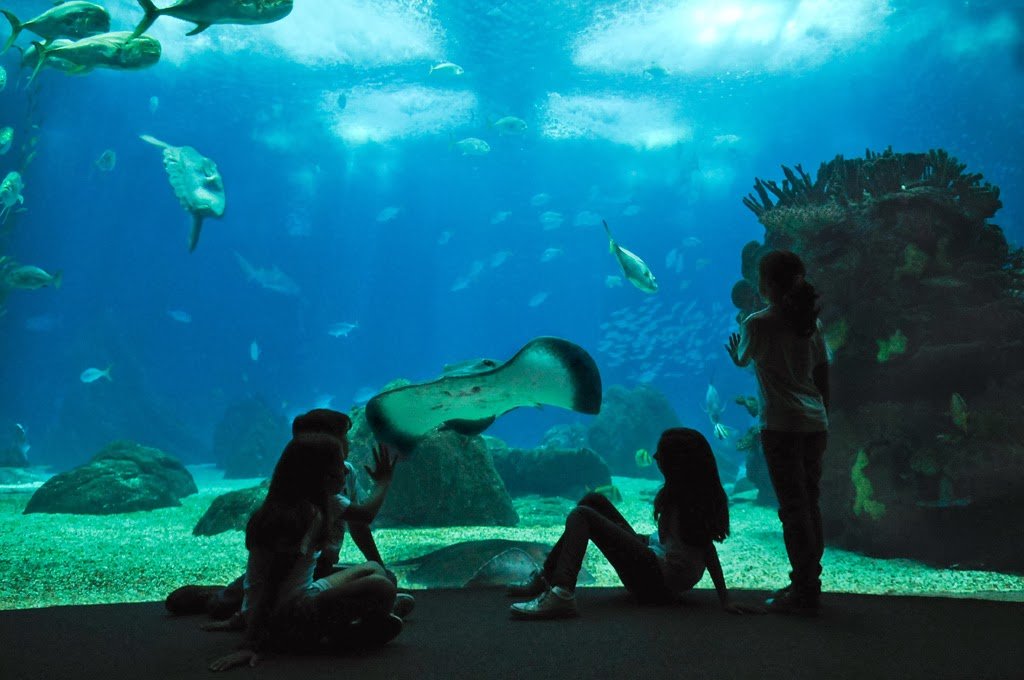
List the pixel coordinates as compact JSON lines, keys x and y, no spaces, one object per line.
{"x":785,"y":344}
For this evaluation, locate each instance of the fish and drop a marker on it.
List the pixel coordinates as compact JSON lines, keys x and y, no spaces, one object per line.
{"x":714,"y":407}
{"x":550,"y":219}
{"x":509,"y":125}
{"x":550,"y":254}
{"x":958,"y":411}
{"x":341,"y":329}
{"x":107,"y":160}
{"x":10,"y":193}
{"x":493,"y":562}
{"x":30,"y":277}
{"x":472,"y":146}
{"x":179,"y":315}
{"x":272,"y":279}
{"x":585,"y":218}
{"x":446,"y":68}
{"x":500,"y":216}
{"x":154,"y":104}
{"x":631,"y":211}
{"x":612,"y":281}
{"x":538,"y":299}
{"x":117,"y":50}
{"x":611,"y":492}
{"x":691,"y":242}
{"x":197,"y":184}
{"x":91,"y":375}
{"x":64,"y":20}
{"x":254,"y":351}
{"x":3,"y":78}
{"x":538,"y":200}
{"x":6,"y":139}
{"x":205,"y":13}
{"x":499,"y":258}
{"x":636,"y":270}
{"x":546,"y":370}
{"x":388,"y":214}
{"x":444,"y":238}
{"x":643,"y":458}
{"x":655,"y":72}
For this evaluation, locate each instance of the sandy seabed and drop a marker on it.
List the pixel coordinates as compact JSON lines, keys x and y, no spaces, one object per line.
{"x":48,"y":560}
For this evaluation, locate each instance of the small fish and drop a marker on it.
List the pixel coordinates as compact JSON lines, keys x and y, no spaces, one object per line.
{"x":631,"y":211}
{"x":29,"y":277}
{"x":500,"y":257}
{"x":550,"y":219}
{"x":611,"y":492}
{"x":154,"y":104}
{"x":538,"y":299}
{"x":509,"y":125}
{"x":342,"y":329}
{"x":550,"y":254}
{"x":538,"y":200}
{"x":387,"y":214}
{"x":691,"y":242}
{"x":472,"y":146}
{"x":655,"y":71}
{"x":6,"y":139}
{"x":179,"y":315}
{"x":636,"y":270}
{"x":91,"y":375}
{"x":958,"y":411}
{"x":585,"y":218}
{"x":612,"y":281}
{"x":254,"y":351}
{"x":500,"y":216}
{"x":444,"y":238}
{"x":701,"y":264}
{"x":107,"y":160}
{"x":3,"y":78}
{"x":446,"y":68}
{"x":10,"y":193}
{"x":643,"y":458}
{"x":272,"y":279}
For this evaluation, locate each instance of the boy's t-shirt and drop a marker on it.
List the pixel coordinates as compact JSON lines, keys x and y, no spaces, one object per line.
{"x":784,"y":363}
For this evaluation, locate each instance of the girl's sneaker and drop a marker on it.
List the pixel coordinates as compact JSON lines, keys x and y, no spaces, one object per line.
{"x":556,"y":603}
{"x":534,"y":585}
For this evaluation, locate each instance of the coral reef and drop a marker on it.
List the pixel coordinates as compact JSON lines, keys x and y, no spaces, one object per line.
{"x":923,"y":306}
{"x":123,"y":477}
{"x":630,"y":420}
{"x":552,"y":472}
{"x":248,"y":439}
{"x":231,"y":510}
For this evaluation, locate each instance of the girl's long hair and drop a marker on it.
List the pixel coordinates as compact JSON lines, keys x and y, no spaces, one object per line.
{"x":297,"y":493}
{"x":782,"y":272}
{"x":692,"y":486}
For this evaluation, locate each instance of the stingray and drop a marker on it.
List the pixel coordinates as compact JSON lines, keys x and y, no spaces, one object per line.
{"x":196,"y":182}
{"x":488,"y":563}
{"x":546,"y":371}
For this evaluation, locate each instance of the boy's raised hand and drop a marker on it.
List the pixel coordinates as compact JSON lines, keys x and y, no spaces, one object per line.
{"x":733,"y":347}
{"x":383,"y":464}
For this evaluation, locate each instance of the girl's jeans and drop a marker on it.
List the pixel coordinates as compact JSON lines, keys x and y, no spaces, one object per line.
{"x":595,"y":519}
{"x":794,"y":463}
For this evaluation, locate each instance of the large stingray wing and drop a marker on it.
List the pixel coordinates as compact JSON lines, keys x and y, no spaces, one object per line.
{"x":548,"y":371}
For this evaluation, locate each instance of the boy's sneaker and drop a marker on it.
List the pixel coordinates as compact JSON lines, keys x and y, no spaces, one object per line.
{"x":403,"y":606}
{"x":794,"y":602}
{"x":551,"y":604}
{"x":534,"y":585}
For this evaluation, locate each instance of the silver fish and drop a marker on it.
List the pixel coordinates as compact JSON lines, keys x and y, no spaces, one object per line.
{"x":204,"y":13}
{"x":636,"y":270}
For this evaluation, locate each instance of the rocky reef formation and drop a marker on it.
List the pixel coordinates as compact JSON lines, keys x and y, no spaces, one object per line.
{"x":231,"y":510}
{"x":923,"y":309}
{"x":630,"y":420}
{"x":551,"y":472}
{"x":448,"y":479}
{"x":249,"y":439}
{"x":123,"y":477}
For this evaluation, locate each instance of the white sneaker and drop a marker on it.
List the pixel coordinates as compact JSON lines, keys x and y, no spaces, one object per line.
{"x":556,"y":603}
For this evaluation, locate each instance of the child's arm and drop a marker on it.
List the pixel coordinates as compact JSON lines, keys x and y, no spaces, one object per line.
{"x":714,"y":568}
{"x":364,"y":541}
{"x":384,"y":466}
{"x":820,"y":377}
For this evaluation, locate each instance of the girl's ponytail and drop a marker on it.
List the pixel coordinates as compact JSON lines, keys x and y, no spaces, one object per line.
{"x":800,"y":307}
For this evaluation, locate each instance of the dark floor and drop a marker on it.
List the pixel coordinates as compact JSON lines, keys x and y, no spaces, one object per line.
{"x":467,"y":634}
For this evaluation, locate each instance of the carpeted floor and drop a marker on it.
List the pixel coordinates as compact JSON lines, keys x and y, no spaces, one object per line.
{"x":468,"y":634}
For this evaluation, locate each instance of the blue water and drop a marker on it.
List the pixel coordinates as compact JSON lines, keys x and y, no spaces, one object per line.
{"x":304,"y":194}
